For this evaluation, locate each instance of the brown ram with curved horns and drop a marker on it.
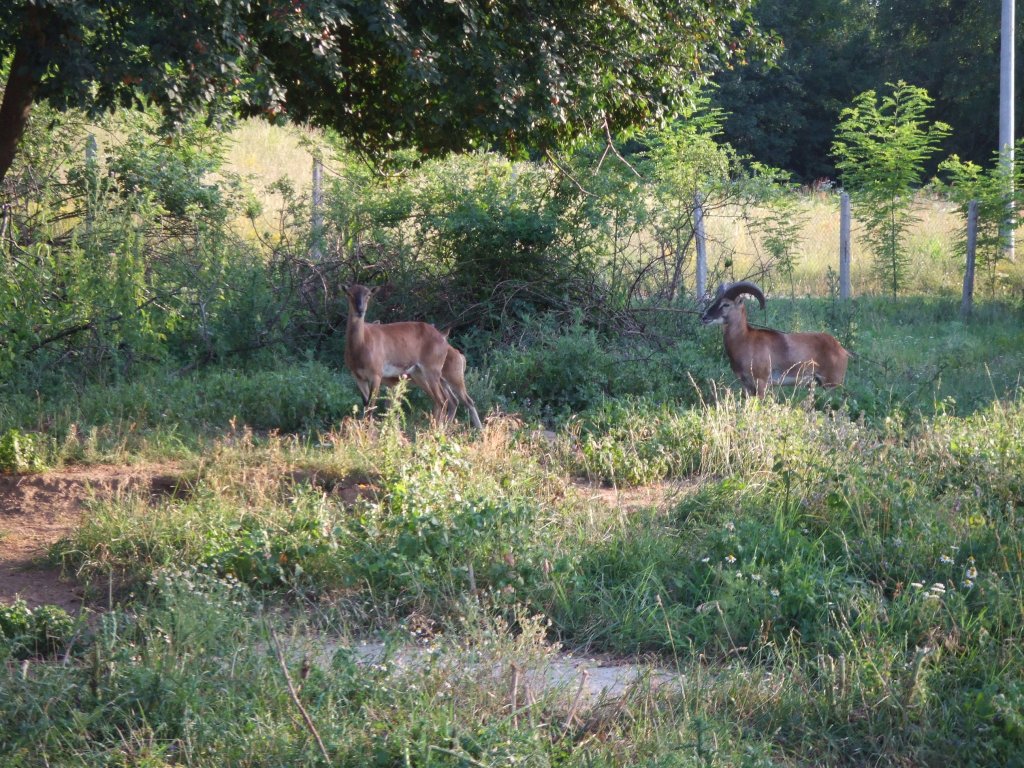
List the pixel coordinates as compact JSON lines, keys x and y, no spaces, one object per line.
{"x":762,"y":356}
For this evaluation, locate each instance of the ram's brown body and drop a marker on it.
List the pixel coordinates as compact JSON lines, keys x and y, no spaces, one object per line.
{"x":761,"y":357}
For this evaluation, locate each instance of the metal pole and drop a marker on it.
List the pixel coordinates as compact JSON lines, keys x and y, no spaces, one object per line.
{"x":91,"y":176}
{"x":1006,"y":122}
{"x":316,"y":252}
{"x":967,"y":302}
{"x":702,"y":246}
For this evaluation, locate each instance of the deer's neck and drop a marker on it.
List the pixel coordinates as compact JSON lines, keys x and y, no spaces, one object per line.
{"x":355,"y":327}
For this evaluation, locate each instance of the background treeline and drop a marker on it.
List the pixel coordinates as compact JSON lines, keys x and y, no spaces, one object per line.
{"x":785,"y":115}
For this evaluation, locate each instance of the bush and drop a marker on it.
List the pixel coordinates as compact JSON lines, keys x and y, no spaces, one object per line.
{"x":22,"y":451}
{"x":440,"y":530}
{"x":555,"y":371}
{"x":634,"y":442}
{"x":27,"y":632}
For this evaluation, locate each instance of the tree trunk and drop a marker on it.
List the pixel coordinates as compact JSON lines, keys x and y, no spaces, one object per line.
{"x":20,"y":91}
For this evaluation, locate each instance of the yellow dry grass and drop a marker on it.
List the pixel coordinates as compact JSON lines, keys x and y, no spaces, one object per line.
{"x":937,"y":265}
{"x":263,"y":153}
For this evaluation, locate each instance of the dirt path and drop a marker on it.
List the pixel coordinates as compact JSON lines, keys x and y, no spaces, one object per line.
{"x":38,"y":510}
{"x":594,"y":678}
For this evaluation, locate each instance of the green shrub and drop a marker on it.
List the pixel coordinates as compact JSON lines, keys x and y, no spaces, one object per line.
{"x":635,"y":442}
{"x":263,"y":557}
{"x":439,"y":531}
{"x":23,"y":451}
{"x":882,"y":145}
{"x":556,"y":371}
{"x":26,"y":632}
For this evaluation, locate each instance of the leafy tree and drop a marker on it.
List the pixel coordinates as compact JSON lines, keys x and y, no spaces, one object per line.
{"x":784,"y":115}
{"x":783,"y":112}
{"x":951,"y":49}
{"x":689,"y":165}
{"x":995,"y":188}
{"x":882,"y":145}
{"x":690,"y":161}
{"x":435,"y":74}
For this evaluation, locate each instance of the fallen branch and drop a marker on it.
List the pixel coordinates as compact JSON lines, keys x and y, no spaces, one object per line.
{"x":295,"y":696}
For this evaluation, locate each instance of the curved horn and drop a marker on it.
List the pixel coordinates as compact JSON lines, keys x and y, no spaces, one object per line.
{"x":738,"y":289}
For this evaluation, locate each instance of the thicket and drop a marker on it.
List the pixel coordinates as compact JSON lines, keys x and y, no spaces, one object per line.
{"x":149,"y":252}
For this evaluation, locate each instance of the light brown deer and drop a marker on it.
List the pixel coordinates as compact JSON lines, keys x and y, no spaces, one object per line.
{"x":381,"y":354}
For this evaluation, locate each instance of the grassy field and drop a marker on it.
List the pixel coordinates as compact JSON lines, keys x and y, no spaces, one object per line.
{"x":830,"y":578}
{"x":836,"y":586}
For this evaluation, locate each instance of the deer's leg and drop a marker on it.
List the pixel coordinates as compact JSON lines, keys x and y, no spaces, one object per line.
{"x":364,"y":392}
{"x":373,"y":387}
{"x":433,"y":386}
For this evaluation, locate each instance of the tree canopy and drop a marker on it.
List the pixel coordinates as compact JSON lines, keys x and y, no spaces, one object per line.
{"x":434,"y":74}
{"x":835,"y":49}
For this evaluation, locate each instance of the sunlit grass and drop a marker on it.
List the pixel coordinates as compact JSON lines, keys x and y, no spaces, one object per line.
{"x":936,"y":265}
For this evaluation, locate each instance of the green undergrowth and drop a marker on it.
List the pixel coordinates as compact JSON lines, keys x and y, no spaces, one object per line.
{"x":196,"y":678}
{"x":27,"y":632}
{"x":835,"y":590}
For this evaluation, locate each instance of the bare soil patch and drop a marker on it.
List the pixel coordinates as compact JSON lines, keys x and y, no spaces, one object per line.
{"x":631,"y":499}
{"x":36,"y":511}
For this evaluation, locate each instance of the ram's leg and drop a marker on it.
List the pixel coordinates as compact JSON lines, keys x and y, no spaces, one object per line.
{"x":451,"y":401}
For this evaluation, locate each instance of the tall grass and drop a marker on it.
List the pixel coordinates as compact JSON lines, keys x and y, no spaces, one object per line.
{"x":936,"y":266}
{"x":834,"y":591}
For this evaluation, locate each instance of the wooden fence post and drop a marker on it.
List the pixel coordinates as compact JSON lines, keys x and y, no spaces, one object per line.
{"x":317,"y":228}
{"x":844,"y":246}
{"x":91,"y":174}
{"x":967,"y":303}
{"x":702,"y":246}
